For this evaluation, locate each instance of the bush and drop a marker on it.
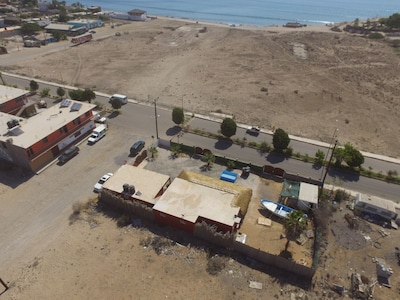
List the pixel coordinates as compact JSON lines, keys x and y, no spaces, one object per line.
{"x":375,"y":36}
{"x":264,"y":147}
{"x":215,"y":264}
{"x":340,"y":195}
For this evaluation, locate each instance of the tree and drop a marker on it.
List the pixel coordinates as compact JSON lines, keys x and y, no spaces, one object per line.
{"x":116,"y":103}
{"x":30,"y":28}
{"x":228,"y":127}
{"x":153,"y":151}
{"x":175,"y":149}
{"x":393,"y":21}
{"x":76,"y":94}
{"x":295,"y":224}
{"x":319,"y":157}
{"x":352,"y":156}
{"x":88,"y":95}
{"x":280,"y":140}
{"x":210,"y":159}
{"x":33,"y":85}
{"x":57,"y":34}
{"x":60,"y":92}
{"x":177,"y":115}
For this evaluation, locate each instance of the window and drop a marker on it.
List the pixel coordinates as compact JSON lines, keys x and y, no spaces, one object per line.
{"x":87,"y":114}
{"x":2,"y":106}
{"x":78,"y":133}
{"x":64,"y":129}
{"x":19,"y":99}
{"x":77,"y":121}
{"x":29,"y":151}
{"x":45,"y":140}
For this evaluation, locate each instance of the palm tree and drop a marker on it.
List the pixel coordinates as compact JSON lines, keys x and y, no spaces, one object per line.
{"x":153,"y":151}
{"x":210,"y":159}
{"x":175,"y":149}
{"x":295,"y":224}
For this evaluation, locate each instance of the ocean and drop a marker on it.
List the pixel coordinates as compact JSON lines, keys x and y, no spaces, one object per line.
{"x":257,"y":12}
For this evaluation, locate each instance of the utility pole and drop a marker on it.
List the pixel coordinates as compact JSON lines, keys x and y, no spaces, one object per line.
{"x":156,"y":116}
{"x":329,"y":165}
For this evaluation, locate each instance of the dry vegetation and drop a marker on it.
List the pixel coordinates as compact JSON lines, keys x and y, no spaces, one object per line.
{"x":306,"y":82}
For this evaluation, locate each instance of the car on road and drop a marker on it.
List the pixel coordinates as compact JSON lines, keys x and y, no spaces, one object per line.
{"x":92,"y":31}
{"x":253,"y":130}
{"x":136,"y":147}
{"x":68,"y":154}
{"x":99,"y":185}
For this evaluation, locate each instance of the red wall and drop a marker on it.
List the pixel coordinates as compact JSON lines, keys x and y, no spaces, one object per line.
{"x":173,"y":221}
{"x":12,"y":106}
{"x":56,"y":136}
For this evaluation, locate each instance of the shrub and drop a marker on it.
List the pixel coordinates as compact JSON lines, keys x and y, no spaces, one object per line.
{"x":375,"y":36}
{"x":215,"y":264}
{"x":264,"y":147}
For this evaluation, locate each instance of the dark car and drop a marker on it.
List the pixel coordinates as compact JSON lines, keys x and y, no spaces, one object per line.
{"x":68,"y":154}
{"x":136,"y":147}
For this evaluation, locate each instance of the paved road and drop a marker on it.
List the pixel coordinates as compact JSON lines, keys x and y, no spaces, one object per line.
{"x":137,"y":117}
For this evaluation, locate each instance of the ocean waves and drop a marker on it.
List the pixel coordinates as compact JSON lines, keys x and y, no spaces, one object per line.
{"x":258,"y":12}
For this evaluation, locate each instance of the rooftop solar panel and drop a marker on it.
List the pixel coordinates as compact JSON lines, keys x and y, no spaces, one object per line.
{"x":65,"y":103}
{"x":76,"y":106}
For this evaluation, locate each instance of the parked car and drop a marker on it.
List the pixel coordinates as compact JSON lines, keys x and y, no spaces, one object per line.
{"x":68,"y":154}
{"x":42,"y":104}
{"x":99,"y":185}
{"x":253,"y":130}
{"x":137,"y":147}
{"x":92,"y":31}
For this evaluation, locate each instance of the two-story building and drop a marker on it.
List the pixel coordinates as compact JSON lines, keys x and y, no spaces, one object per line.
{"x":34,"y":142}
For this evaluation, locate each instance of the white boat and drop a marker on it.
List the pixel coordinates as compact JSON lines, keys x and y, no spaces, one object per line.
{"x":277,"y":209}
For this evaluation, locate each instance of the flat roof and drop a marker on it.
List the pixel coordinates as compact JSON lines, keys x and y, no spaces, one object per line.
{"x":188,"y":201}
{"x":82,"y":21}
{"x":8,"y":93}
{"x":378,"y":202}
{"x":54,"y":26}
{"x":147,"y":183}
{"x":308,"y":192}
{"x":39,"y":126}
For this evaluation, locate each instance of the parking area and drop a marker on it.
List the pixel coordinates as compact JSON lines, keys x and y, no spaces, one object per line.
{"x":35,"y":209}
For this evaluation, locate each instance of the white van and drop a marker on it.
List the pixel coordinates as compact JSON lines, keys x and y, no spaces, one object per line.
{"x":98,"y":133}
{"x":122,"y":98}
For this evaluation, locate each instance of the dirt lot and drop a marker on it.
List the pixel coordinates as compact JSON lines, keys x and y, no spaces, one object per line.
{"x":308,"y":81}
{"x":302,"y":81}
{"x":93,"y":257}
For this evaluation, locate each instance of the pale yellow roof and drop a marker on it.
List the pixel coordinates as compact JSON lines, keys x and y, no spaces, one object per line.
{"x":188,"y":201}
{"x":308,"y":192}
{"x":147,"y":183}
{"x":39,"y":126}
{"x":8,"y":93}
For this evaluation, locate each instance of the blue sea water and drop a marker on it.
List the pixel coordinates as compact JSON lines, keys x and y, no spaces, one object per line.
{"x":257,"y":12}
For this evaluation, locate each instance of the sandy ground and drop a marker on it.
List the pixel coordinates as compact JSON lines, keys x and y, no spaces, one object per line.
{"x":308,"y":81}
{"x":94,"y":258}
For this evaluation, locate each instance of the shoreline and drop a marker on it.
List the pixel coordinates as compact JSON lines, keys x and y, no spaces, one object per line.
{"x":277,"y":28}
